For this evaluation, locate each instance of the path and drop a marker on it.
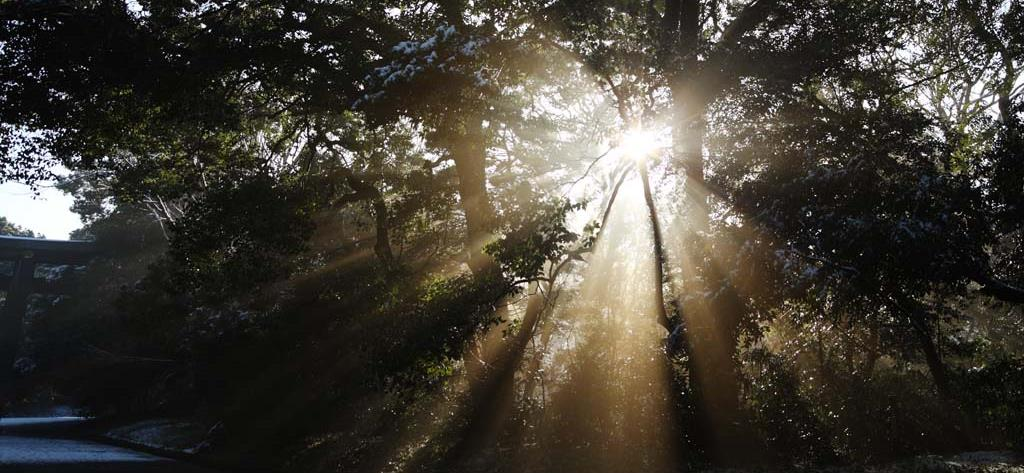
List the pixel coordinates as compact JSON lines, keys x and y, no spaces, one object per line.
{"x":50,"y":445}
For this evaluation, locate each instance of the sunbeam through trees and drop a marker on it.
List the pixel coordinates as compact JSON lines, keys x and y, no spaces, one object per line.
{"x":518,"y":235}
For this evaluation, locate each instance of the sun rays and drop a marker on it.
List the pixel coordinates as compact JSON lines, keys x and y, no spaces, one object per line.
{"x":602,"y":365}
{"x":594,"y":373}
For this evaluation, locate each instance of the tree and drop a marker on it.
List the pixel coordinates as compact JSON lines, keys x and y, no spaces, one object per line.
{"x":10,"y":228}
{"x":702,"y":54}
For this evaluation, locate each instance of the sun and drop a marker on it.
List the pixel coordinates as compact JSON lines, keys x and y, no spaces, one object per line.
{"x":638,"y":144}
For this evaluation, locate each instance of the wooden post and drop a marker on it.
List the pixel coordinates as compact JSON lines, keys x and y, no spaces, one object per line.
{"x":13,"y":313}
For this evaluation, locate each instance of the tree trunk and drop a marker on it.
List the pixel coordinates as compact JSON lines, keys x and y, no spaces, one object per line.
{"x":469,"y":154}
{"x":382,"y":246}
{"x":364,"y":191}
{"x":492,"y":395}
{"x":873,"y":354}
{"x":965,"y":431}
{"x":931,"y":357}
{"x":677,"y":342}
{"x":713,"y":324}
{"x":659,"y":251}
{"x":469,"y":151}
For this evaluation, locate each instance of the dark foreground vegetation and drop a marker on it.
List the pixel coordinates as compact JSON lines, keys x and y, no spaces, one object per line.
{"x":530,"y":235}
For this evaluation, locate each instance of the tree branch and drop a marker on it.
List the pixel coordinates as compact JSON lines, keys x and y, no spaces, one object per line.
{"x":1000,"y":289}
{"x":752,"y":15}
{"x":363,"y":191}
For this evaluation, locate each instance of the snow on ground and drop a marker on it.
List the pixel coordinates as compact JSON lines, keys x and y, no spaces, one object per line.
{"x":33,"y":421}
{"x":163,"y":434}
{"x":1010,"y":458}
{"x":969,"y":462}
{"x":40,"y":425}
{"x":46,"y":451}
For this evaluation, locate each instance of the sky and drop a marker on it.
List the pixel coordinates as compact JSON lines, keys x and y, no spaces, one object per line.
{"x":48,"y":213}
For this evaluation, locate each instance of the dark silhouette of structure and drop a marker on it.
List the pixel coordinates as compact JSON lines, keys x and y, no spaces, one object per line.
{"x":26,"y":254}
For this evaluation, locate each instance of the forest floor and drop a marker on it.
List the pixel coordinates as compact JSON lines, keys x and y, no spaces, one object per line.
{"x":970,"y":462}
{"x":185,"y":437}
{"x":1002,"y":461}
{"x":57,"y":444}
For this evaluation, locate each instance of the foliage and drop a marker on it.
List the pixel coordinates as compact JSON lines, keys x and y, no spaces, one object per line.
{"x":237,"y":236}
{"x":533,"y":239}
{"x":10,"y":228}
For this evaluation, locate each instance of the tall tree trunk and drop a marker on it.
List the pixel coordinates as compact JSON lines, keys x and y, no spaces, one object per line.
{"x":713,"y":324}
{"x":932,"y":357}
{"x":714,"y":328}
{"x":677,"y":343}
{"x":965,"y":431}
{"x":492,"y":379}
{"x":659,"y":251}
{"x":469,"y":154}
{"x":469,"y":151}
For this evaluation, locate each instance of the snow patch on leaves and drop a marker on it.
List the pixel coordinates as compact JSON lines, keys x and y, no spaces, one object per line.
{"x":445,"y":51}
